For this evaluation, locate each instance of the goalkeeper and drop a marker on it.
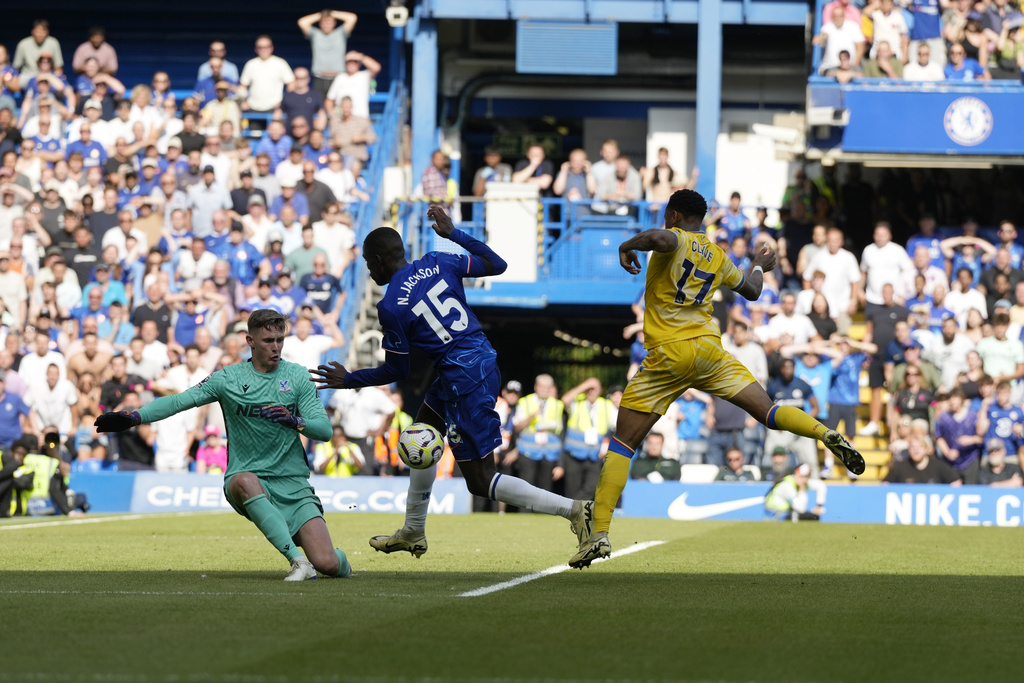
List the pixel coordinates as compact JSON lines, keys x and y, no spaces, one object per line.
{"x":267,"y":404}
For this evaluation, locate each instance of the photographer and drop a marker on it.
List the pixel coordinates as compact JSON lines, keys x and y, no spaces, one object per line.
{"x":40,"y":481}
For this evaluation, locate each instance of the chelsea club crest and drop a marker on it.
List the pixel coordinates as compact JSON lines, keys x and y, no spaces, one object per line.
{"x":968,"y":121}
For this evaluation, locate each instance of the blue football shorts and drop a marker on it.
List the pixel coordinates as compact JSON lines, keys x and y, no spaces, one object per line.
{"x":473,"y":426}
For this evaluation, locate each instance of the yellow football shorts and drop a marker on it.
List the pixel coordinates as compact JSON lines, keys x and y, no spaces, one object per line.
{"x":670,"y":369}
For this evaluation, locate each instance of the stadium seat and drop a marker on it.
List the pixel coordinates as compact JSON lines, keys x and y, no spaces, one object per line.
{"x":698,"y":474}
{"x":753,"y":469}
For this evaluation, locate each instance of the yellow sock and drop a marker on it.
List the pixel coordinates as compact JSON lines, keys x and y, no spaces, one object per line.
{"x":614,"y":474}
{"x":796,"y":421}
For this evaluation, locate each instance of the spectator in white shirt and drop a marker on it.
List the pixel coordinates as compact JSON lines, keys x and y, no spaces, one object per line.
{"x":51,"y":404}
{"x":304,"y":347}
{"x":923,"y":69}
{"x":797,"y":326}
{"x":965,"y":297}
{"x":750,"y":354}
{"x":842,"y":278}
{"x":837,"y":36}
{"x":354,"y":83}
{"x":264,"y":78}
{"x":883,"y":263}
{"x":933,"y":275}
{"x":334,"y":235}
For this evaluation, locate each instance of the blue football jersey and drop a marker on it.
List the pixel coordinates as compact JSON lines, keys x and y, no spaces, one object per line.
{"x":425,"y":307}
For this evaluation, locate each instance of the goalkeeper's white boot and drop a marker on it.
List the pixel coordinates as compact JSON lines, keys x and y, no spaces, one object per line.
{"x":581,"y":519}
{"x":412,"y":542}
{"x":594,"y":548}
{"x":301,"y":570}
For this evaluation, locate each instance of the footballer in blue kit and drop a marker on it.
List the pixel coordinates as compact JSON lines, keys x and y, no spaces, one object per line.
{"x":425,"y":307}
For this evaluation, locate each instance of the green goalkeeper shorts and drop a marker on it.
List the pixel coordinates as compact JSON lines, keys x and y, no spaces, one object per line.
{"x":292,"y":496}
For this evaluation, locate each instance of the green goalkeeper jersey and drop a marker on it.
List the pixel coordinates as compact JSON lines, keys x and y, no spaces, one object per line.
{"x":256,"y":444}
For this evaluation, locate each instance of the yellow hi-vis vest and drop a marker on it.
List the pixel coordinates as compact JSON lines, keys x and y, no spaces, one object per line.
{"x":774,"y":501}
{"x":588,"y":426}
{"x":340,"y":462}
{"x":545,"y":444}
{"x":42,"y":468}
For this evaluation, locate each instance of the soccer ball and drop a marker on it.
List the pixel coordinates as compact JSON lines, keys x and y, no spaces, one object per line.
{"x":420,"y":446}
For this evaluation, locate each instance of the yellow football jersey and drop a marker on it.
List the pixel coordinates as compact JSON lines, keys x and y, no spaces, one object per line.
{"x":680,"y":285}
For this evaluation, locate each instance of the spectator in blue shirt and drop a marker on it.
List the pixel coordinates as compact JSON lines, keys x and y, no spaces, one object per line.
{"x":929,"y":239}
{"x":963,"y":68}
{"x":110,"y":290}
{"x":692,"y":429}
{"x":92,"y":152}
{"x":323,"y":290}
{"x":290,"y":197}
{"x":849,"y":357}
{"x":1001,"y":419}
{"x":275,"y":144}
{"x":13,"y":417}
{"x":93,"y":308}
{"x":1008,"y":241}
{"x":228,"y":69}
{"x":244,"y":258}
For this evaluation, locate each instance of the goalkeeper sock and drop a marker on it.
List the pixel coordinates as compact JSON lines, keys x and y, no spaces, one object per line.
{"x":795,"y":421}
{"x":271,"y":522}
{"x":614,"y":474}
{"x":515,"y":491}
{"x":418,"y":498}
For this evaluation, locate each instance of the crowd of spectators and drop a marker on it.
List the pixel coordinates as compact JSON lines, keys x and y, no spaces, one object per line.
{"x":138,"y":228}
{"x":922,"y":40}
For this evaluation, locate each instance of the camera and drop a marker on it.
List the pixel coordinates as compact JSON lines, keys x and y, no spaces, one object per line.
{"x":397,"y":16}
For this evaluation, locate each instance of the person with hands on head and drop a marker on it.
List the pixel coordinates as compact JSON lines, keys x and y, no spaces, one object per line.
{"x":268,"y":403}
{"x":425,"y":307}
{"x":685,"y":351}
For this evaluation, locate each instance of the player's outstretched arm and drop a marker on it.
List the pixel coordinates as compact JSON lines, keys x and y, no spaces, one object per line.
{"x":750,"y":288}
{"x":487,"y":261}
{"x":119,"y":421}
{"x":335,"y":376}
{"x":654,"y":239}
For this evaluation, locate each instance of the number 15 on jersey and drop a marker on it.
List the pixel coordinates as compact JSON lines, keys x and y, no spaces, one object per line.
{"x":443,"y":307}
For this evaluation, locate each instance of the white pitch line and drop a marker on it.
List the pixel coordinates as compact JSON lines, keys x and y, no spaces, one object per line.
{"x":115,"y":518}
{"x":69,"y":522}
{"x":558,"y":569}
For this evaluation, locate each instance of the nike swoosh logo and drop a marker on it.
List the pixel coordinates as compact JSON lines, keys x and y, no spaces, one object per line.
{"x":679,"y":509}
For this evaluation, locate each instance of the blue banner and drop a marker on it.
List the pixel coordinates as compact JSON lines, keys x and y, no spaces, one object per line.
{"x":931,"y":504}
{"x":942,"y":119}
{"x":160,"y":492}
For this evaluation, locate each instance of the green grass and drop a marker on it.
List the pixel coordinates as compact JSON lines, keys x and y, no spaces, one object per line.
{"x":200,"y":598}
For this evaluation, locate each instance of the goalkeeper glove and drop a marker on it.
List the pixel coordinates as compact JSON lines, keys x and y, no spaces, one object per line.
{"x":118,"y":422}
{"x":280,"y":415}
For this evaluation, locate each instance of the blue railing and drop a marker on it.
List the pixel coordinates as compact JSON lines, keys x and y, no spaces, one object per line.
{"x":366,"y":215}
{"x":574,"y":244}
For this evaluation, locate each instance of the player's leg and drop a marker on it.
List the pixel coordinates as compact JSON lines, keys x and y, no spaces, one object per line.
{"x":412,"y":537}
{"x":316,"y":542}
{"x":755,"y":400}
{"x":474,"y":433}
{"x":248,"y":497}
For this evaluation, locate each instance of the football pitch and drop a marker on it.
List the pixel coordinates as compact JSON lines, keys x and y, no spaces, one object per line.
{"x":199,"y":598}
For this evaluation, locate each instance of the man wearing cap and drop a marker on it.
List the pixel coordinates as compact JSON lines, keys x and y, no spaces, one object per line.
{"x":998,"y":473}
{"x":111,"y":289}
{"x":789,"y":499}
{"x":290,"y":197}
{"x":130,"y":195}
{"x":241,"y":195}
{"x":912,"y":353}
{"x":219,"y":109}
{"x":149,"y":182}
{"x":205,"y":198}
{"x":780,"y":465}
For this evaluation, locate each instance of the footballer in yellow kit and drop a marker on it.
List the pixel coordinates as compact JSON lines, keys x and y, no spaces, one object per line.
{"x":685,"y":350}
{"x":683,"y":340}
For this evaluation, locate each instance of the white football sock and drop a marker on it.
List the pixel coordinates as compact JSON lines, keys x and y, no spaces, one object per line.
{"x":515,"y":491}
{"x":418,"y":500}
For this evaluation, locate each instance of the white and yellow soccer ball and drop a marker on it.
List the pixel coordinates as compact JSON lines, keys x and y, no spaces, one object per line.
{"x":420,"y":446}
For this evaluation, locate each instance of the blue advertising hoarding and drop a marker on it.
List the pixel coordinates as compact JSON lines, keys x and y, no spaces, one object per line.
{"x":902,"y":504}
{"x":160,"y":492}
{"x":933,"y":119}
